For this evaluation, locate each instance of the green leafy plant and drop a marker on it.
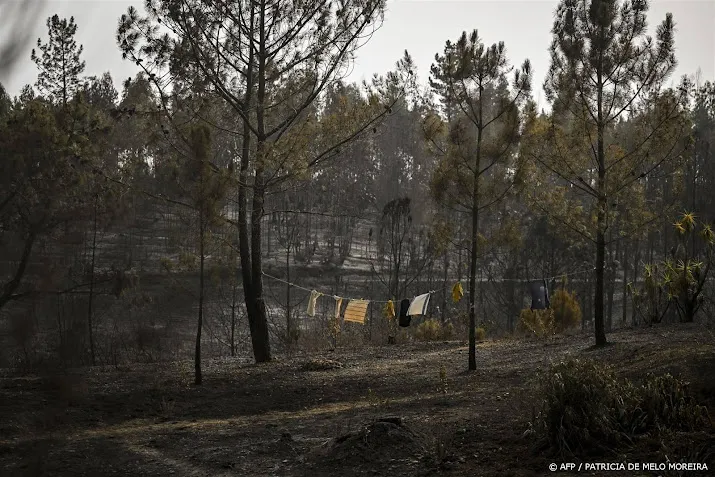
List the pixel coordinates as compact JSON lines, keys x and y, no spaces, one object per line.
{"x":678,"y":281}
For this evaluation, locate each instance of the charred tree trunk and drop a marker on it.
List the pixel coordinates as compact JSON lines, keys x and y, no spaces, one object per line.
{"x":601,"y":217}
{"x":289,"y":324}
{"x":259,"y":329}
{"x":250,"y":249}
{"x":636,"y":266}
{"x":444,"y":286}
{"x":197,"y":353}
{"x":234,"y":304}
{"x":625,"y":257}
{"x":611,"y":282}
{"x":90,"y":326}
{"x":473,"y":257}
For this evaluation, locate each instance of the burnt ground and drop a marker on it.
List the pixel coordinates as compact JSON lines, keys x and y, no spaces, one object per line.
{"x":375,"y":411}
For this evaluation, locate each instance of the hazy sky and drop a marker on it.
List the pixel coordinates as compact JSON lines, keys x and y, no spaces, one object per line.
{"x":420,"y":26}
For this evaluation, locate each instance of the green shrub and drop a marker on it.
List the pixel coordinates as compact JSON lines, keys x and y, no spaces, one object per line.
{"x":585,"y":407}
{"x":567,"y":311}
{"x":481,"y":333}
{"x":428,"y":330}
{"x":432,"y":330}
{"x":539,"y":323}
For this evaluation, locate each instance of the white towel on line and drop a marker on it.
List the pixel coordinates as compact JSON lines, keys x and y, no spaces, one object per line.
{"x":419,"y":305}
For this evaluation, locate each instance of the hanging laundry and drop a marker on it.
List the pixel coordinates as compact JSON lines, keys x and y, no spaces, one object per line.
{"x":389,"y":310}
{"x":338,"y":304}
{"x":314,"y":295}
{"x":404,"y":316}
{"x":419,"y":305}
{"x":356,"y":310}
{"x":334,"y":323}
{"x":539,"y":295}
{"x":457,"y":292}
{"x":389,"y":313}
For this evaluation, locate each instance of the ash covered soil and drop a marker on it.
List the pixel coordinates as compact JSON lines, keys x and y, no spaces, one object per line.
{"x":401,"y":410}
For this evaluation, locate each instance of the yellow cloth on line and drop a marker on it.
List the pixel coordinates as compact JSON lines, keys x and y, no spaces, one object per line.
{"x":314,"y":295}
{"x":457,"y":292}
{"x":389,"y":310}
{"x":356,"y":311}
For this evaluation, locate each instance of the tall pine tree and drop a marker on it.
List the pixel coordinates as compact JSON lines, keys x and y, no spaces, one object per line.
{"x":604,"y":69}
{"x":59,"y":61}
{"x":478,"y":164}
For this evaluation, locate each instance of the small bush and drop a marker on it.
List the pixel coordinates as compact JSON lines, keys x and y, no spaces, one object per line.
{"x":433,"y":330}
{"x":429,"y":330}
{"x":539,"y":323}
{"x":481,"y":333}
{"x":566,"y":309}
{"x":586,"y":407}
{"x":448,"y":331}
{"x":665,"y":402}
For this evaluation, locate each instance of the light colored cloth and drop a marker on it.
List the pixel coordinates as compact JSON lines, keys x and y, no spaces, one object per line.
{"x":389,"y":310}
{"x":334,"y":322}
{"x":356,"y":311}
{"x":419,"y":305}
{"x":314,"y":295}
{"x":457,"y":292}
{"x":338,"y":304}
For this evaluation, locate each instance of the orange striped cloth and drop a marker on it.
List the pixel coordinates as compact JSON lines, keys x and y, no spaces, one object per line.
{"x":356,"y":311}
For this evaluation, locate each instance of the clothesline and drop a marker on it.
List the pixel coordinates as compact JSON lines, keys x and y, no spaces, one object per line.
{"x":330,"y":294}
{"x":545,"y":278}
{"x":438,"y":289}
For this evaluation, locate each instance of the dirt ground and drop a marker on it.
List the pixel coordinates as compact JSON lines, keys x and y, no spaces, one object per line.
{"x":407,"y":410}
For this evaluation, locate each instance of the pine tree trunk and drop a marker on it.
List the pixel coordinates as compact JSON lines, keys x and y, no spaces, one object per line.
{"x":624,"y":317}
{"x":250,"y":251}
{"x":268,"y":238}
{"x":611,"y":282}
{"x":261,"y":341}
{"x":197,"y":353}
{"x":473,"y":258}
{"x":234,"y":303}
{"x":445,"y":291}
{"x":590,"y":297}
{"x":636,"y":266}
{"x":258,"y":321}
{"x":601,"y":218}
{"x":289,"y":324}
{"x":91,"y":286}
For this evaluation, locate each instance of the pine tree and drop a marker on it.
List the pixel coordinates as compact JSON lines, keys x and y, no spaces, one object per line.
{"x":59,"y":61}
{"x":270,"y":62}
{"x":478,"y":163}
{"x":605,"y":68}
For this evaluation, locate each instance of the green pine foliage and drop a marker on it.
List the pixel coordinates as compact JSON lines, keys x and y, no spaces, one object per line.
{"x":59,"y":61}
